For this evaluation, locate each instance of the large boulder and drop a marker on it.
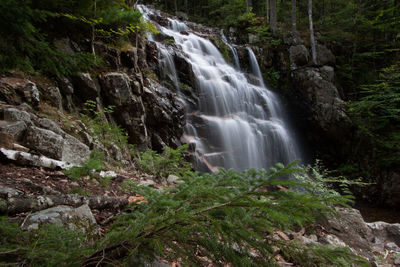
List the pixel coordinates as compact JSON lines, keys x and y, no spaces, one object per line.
{"x":52,"y":95}
{"x":14,"y":128}
{"x":86,"y":88}
{"x":74,"y":151}
{"x":129,"y":110}
{"x":118,"y":88}
{"x":299,"y":56}
{"x":50,"y":125}
{"x":44,"y":141}
{"x":13,"y":114}
{"x":79,"y":219}
{"x":60,"y":147}
{"x":322,"y":107}
{"x":325,"y":56}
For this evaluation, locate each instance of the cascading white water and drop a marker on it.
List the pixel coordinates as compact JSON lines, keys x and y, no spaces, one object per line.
{"x":233,"y":50}
{"x":235,"y":124}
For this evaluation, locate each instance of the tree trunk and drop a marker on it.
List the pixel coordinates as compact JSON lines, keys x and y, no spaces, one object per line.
{"x":312,"y":38}
{"x":273,"y":16}
{"x":267,"y":9}
{"x":249,"y":5}
{"x":93,"y":28}
{"x":175,"y":6}
{"x":294,"y":25}
{"x":186,"y":7}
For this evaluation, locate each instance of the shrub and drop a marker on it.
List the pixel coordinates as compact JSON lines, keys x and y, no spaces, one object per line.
{"x":93,"y":164}
{"x":99,"y":128}
{"x":171,"y":161}
{"x":227,"y":217}
{"x":50,"y":246}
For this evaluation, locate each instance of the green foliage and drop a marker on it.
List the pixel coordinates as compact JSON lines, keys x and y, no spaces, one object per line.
{"x":24,"y":46}
{"x":171,"y":161}
{"x":223,"y":217}
{"x":50,"y":246}
{"x":377,"y":114}
{"x":105,"y":133}
{"x":79,"y":190}
{"x":271,"y":77}
{"x":93,"y":164}
{"x":24,"y":36}
{"x":320,"y":183}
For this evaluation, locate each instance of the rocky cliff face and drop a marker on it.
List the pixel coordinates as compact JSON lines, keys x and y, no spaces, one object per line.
{"x":151,"y":114}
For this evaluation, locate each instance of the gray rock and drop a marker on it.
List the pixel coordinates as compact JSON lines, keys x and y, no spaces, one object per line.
{"x":86,"y":87}
{"x":74,"y":151}
{"x":325,"y":56}
{"x":147,"y":183}
{"x":66,"y":86}
{"x":392,"y":247}
{"x":117,"y":87}
{"x":253,"y":38}
{"x":299,"y":56}
{"x":16,"y":129}
{"x":25,"y":91}
{"x":386,"y":231}
{"x":50,"y":125}
{"x":181,"y":15}
{"x":332,"y":240}
{"x":77,"y":219}
{"x":173,"y":179}
{"x":328,"y":73}
{"x":54,"y":96}
{"x":7,"y":192}
{"x":44,"y":141}
{"x":111,"y":55}
{"x":327,"y":108}
{"x":351,"y":229}
{"x":129,"y":58}
{"x":13,"y":114}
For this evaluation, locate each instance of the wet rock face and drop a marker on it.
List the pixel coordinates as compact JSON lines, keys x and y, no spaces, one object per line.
{"x":118,"y":88}
{"x":165,"y":116}
{"x":87,"y":88}
{"x":152,"y":116}
{"x":316,"y":97}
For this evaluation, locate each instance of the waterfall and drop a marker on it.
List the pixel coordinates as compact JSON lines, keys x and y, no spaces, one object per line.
{"x":235,"y":124}
{"x":167,"y":65}
{"x":233,"y":50}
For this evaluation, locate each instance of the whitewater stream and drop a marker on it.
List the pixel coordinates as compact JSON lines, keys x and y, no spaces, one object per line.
{"x":235,"y":124}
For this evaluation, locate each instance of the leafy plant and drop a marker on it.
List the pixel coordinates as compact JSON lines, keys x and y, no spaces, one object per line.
{"x":320,"y":183}
{"x":49,"y":246}
{"x":171,"y":161}
{"x":93,"y":164}
{"x":227,"y":217}
{"x":377,"y":115}
{"x":104,"y":132}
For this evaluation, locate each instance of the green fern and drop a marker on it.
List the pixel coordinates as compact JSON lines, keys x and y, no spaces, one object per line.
{"x":226,"y":218}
